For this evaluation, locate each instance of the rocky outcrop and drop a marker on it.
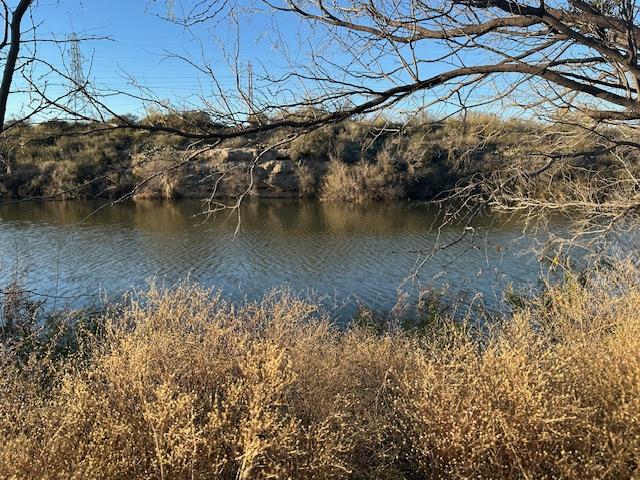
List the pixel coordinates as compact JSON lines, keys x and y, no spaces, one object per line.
{"x":224,"y":172}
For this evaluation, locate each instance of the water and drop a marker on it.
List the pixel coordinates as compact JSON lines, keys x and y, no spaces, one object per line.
{"x":341,"y":253}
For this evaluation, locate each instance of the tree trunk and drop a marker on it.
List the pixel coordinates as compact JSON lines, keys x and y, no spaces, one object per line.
{"x":12,"y":57}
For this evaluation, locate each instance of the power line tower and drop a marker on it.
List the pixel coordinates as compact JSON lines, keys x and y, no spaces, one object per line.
{"x":250,"y":72}
{"x":76,"y":76}
{"x":171,"y":12}
{"x":250,"y":86}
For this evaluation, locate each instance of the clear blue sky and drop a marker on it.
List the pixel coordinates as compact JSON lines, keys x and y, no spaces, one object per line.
{"x":139,"y":46}
{"x":140,"y":42}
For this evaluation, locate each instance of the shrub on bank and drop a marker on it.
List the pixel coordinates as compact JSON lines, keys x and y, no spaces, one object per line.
{"x":360,"y":183}
{"x":57,"y":160}
{"x":370,"y":160}
{"x":180,"y":385}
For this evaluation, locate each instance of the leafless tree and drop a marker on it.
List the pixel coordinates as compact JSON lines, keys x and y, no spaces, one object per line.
{"x":11,"y":38}
{"x":584,"y":52}
{"x":570,"y":61}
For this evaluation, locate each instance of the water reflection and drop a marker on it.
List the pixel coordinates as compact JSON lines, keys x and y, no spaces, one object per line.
{"x":334,"y":250}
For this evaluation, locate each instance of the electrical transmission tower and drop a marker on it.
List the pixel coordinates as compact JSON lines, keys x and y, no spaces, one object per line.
{"x":76,"y":76}
{"x":250,"y":86}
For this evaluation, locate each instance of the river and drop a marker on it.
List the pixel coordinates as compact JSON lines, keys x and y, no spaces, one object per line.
{"x":72,"y":255}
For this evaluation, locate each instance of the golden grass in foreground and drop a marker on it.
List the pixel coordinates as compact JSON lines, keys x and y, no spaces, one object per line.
{"x":186,"y":387}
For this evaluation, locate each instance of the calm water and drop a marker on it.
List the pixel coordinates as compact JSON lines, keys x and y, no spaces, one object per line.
{"x":344,"y":254}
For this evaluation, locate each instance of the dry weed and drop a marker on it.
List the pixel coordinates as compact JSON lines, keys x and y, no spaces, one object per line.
{"x":185,"y":385}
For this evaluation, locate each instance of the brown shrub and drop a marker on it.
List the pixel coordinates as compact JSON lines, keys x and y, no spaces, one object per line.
{"x":186,"y":386}
{"x":361,"y":182}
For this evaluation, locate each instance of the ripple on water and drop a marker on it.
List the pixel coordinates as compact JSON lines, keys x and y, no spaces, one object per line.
{"x":337,"y":252}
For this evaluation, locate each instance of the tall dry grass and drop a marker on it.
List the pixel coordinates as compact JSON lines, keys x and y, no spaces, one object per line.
{"x":360,"y":183}
{"x":183,"y":386}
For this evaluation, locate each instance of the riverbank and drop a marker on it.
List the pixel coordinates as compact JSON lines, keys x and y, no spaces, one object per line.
{"x":354,"y":162}
{"x":180,"y":386}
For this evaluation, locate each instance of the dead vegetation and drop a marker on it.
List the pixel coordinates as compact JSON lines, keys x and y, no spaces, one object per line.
{"x":356,"y":161}
{"x":184,"y":385}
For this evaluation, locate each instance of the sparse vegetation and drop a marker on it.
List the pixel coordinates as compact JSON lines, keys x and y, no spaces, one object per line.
{"x":355,"y":161}
{"x":55,"y":159}
{"x":184,"y":385}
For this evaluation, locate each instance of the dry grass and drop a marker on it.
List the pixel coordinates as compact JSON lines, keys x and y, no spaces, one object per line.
{"x":371,"y":160}
{"x":183,"y":386}
{"x":360,"y":183}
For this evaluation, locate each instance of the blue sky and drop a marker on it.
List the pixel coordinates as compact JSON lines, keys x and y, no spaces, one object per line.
{"x":140,"y":41}
{"x":139,"y":44}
